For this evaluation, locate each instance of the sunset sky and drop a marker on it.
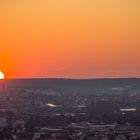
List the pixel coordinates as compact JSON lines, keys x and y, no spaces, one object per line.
{"x":70,"y":38}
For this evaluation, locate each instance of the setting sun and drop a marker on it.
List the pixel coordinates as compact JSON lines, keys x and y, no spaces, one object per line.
{"x":1,"y":75}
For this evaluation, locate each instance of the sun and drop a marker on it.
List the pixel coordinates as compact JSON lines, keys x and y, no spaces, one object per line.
{"x":1,"y":75}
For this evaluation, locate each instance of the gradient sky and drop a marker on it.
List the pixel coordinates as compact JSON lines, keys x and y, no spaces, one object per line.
{"x":70,"y":38}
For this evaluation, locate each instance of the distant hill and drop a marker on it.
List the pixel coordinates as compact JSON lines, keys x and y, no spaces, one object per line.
{"x":81,"y":85}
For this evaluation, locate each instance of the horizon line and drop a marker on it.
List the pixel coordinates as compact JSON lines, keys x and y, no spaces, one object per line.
{"x":61,"y":78}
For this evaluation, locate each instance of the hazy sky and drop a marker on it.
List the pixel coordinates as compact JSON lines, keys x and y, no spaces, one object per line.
{"x":70,"y":38}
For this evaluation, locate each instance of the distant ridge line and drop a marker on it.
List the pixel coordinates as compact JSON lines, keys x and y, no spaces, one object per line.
{"x":72,"y":78}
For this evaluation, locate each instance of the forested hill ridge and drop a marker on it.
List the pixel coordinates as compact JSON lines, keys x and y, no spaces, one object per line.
{"x":81,"y":85}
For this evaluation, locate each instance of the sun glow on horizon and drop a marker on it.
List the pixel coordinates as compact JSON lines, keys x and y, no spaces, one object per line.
{"x":1,"y":75}
{"x":69,"y":38}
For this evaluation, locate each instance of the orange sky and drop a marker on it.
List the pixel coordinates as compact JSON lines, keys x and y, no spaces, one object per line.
{"x":70,"y":38}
